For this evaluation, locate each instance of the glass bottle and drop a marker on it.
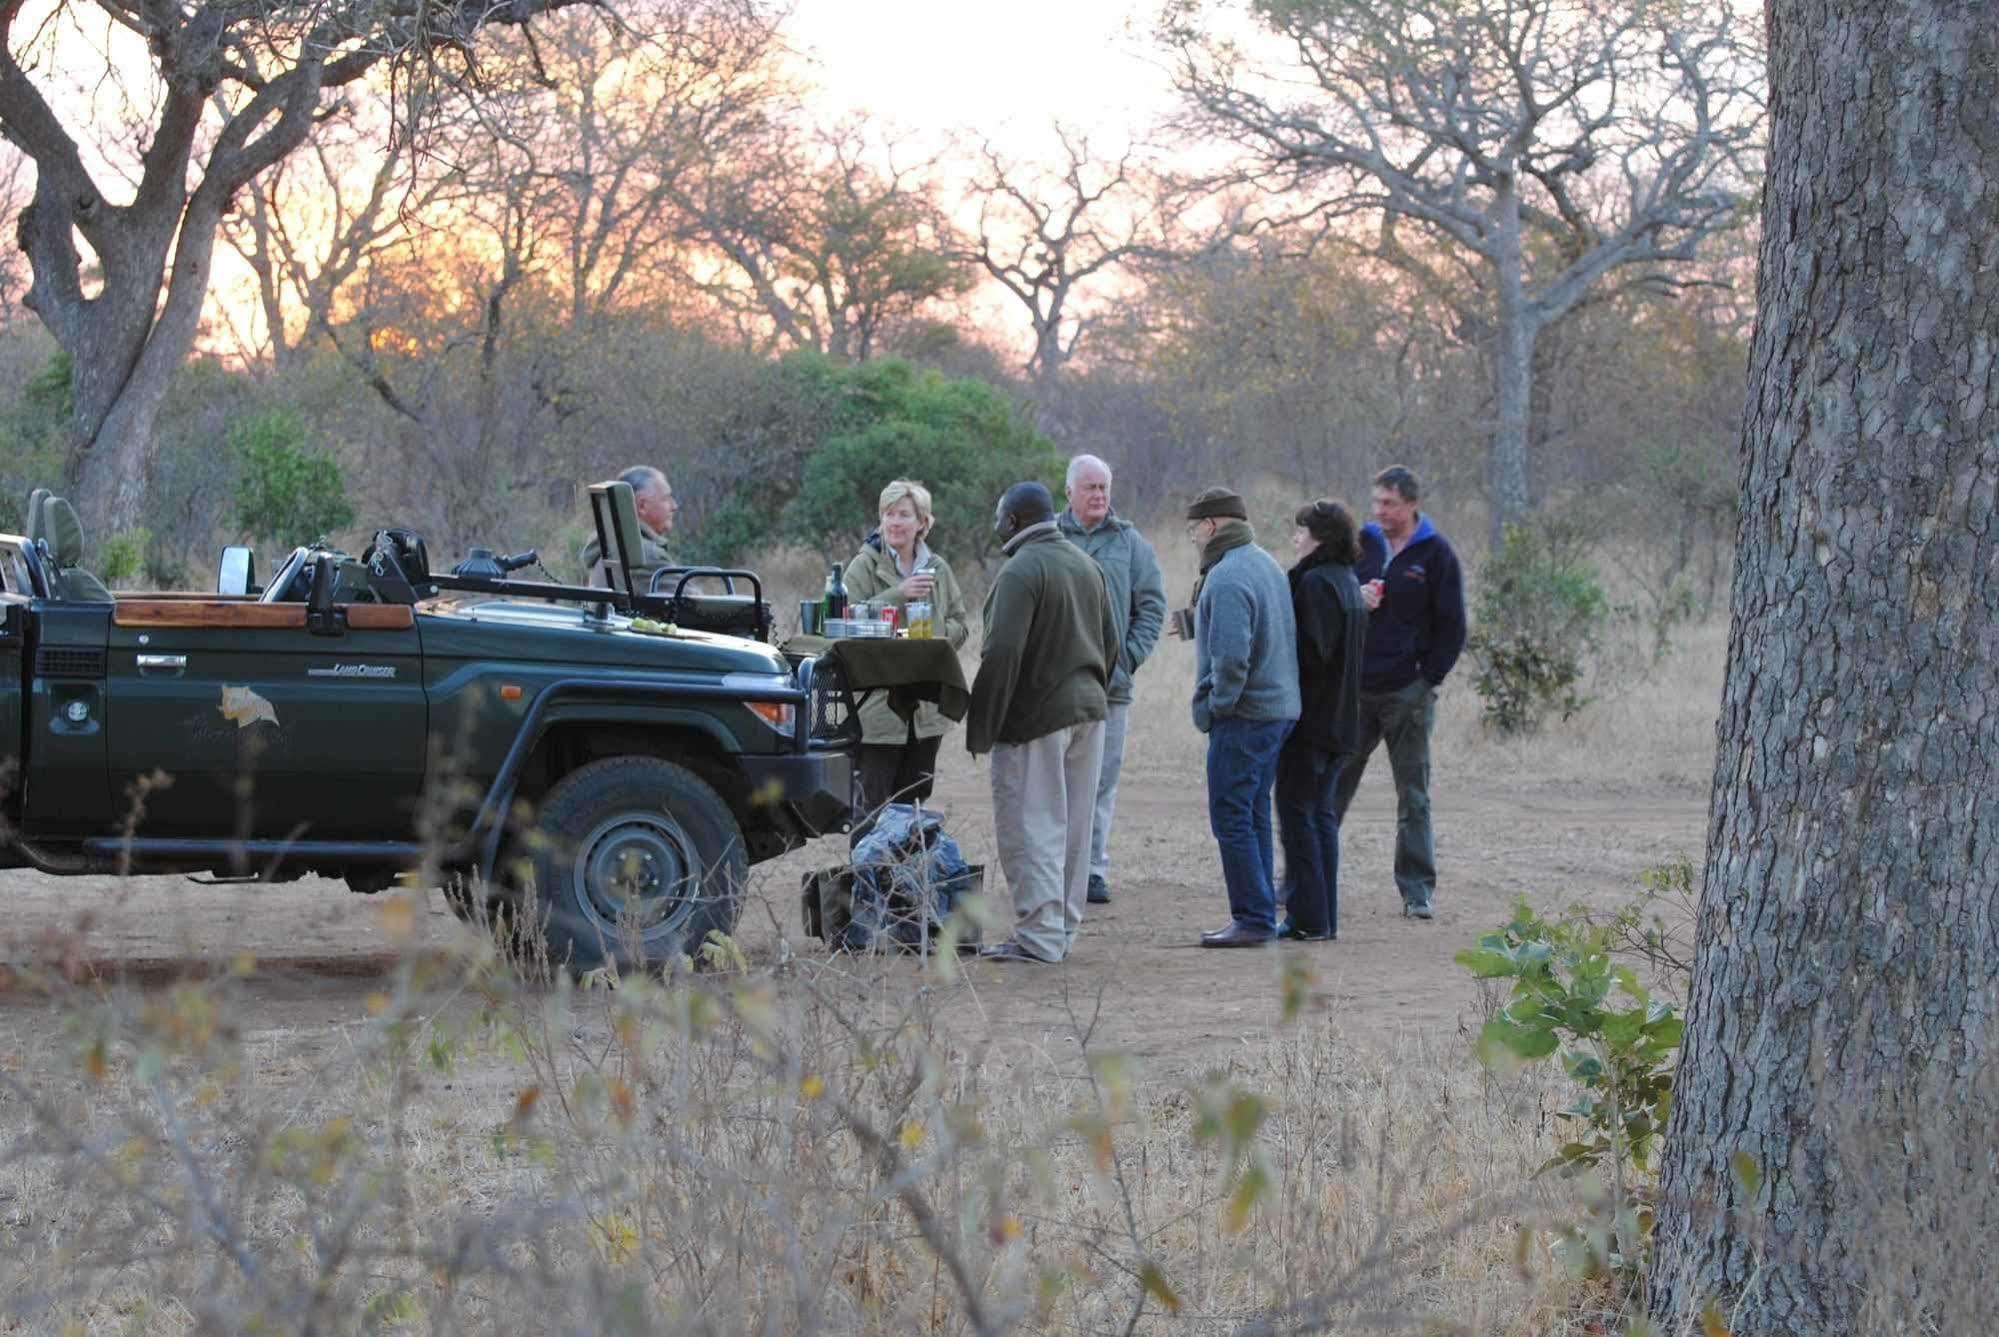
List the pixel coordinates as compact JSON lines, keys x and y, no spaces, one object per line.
{"x":836,"y":593}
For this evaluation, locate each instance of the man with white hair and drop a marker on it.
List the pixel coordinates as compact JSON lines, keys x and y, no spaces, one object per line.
{"x":652,"y":498}
{"x":1138,"y":602}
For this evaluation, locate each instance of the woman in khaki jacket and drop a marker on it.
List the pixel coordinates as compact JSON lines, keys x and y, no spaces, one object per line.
{"x":893,"y":568}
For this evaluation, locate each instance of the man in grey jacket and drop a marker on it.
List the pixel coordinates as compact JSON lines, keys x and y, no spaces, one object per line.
{"x":1245,"y":700}
{"x":1138,"y":602}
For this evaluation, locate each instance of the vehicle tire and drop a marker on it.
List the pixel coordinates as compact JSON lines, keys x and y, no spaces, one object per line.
{"x":635,"y":860}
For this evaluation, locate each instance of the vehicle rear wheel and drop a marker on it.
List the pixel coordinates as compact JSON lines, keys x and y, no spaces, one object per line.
{"x":636,"y":860}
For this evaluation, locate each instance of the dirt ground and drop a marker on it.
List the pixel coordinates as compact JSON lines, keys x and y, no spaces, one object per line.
{"x":1137,"y":968}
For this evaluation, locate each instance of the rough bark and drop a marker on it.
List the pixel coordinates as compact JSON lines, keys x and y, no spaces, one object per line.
{"x":1513,"y":370}
{"x":1841,"y":1025}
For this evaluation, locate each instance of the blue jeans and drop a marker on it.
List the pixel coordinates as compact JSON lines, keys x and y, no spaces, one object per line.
{"x":1242,"y":771}
{"x":1308,"y":817}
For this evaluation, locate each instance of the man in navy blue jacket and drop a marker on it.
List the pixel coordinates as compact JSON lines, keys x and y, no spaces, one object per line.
{"x":1415,"y":593}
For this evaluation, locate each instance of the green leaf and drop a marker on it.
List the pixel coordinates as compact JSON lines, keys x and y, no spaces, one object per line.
{"x":1250,"y":1187}
{"x":1245,"y":1115}
{"x":1486,"y":963}
{"x":1500,"y":1036}
{"x":1622,"y":1028}
{"x":1155,"y":1284}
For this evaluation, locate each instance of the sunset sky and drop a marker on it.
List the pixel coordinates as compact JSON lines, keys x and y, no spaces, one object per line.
{"x":999,"y":70}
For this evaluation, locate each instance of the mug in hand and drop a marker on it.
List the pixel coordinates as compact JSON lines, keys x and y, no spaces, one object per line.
{"x":1183,"y":623}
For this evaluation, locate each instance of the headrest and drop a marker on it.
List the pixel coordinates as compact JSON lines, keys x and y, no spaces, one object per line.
{"x":32,"y":525}
{"x":62,"y":531}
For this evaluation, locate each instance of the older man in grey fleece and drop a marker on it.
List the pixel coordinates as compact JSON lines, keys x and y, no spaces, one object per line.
{"x":1245,"y":700}
{"x":1138,"y":602}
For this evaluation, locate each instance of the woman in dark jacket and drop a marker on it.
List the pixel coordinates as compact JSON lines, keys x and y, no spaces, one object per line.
{"x":1332,"y":625}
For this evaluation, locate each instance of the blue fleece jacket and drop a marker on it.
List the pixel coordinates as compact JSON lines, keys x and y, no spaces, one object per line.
{"x":1245,"y":641}
{"x":1419,"y":629}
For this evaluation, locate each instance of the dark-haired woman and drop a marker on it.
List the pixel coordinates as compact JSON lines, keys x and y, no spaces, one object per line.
{"x":1332,"y":625}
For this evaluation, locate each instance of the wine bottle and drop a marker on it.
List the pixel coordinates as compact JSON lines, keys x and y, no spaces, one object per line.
{"x":836,"y":593}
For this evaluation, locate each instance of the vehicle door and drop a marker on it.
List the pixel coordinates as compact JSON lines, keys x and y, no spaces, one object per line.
{"x":15,"y":601}
{"x":229,"y":718}
{"x":53,"y":700}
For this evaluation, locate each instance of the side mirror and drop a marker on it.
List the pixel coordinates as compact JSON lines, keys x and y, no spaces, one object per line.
{"x":237,"y":572}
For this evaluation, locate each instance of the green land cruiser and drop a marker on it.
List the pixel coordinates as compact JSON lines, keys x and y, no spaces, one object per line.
{"x":364,"y":717}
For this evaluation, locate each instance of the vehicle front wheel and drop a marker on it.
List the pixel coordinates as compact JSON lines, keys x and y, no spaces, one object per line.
{"x":636,"y":860}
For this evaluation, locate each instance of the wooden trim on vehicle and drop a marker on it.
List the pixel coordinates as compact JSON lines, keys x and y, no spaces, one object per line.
{"x":380,"y":617}
{"x":150,"y":612}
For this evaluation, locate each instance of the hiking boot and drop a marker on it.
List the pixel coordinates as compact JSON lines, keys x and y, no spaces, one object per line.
{"x":1100,"y":891}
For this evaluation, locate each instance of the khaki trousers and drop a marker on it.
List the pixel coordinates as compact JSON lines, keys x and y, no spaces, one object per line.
{"x":1044,"y":798}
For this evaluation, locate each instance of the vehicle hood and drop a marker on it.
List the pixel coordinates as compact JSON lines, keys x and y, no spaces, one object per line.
{"x":570,"y":636}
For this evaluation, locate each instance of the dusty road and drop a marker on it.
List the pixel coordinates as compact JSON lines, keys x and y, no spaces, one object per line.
{"x":322,"y":951}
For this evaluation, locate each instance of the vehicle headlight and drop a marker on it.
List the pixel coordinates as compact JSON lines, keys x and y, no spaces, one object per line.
{"x":779,"y":715}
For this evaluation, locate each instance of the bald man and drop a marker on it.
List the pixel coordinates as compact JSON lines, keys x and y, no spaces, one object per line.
{"x":1038,"y":706}
{"x":652,"y":498}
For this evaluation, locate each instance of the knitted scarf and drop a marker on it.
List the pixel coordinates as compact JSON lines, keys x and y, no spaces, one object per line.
{"x":1229,"y":535}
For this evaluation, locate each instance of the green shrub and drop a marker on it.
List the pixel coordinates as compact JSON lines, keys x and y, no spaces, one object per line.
{"x":1616,"y":1041}
{"x":285,"y":492}
{"x":121,"y":562}
{"x":34,"y":438}
{"x":1540,"y":611}
{"x":964,"y":440}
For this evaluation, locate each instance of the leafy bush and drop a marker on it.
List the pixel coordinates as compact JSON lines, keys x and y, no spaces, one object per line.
{"x":285,"y":492}
{"x":34,"y":438}
{"x":1617,"y":1042}
{"x":962,"y":438}
{"x":122,"y":559}
{"x":1540,"y":611}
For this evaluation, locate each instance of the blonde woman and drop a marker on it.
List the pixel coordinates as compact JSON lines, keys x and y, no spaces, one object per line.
{"x":894,"y":568}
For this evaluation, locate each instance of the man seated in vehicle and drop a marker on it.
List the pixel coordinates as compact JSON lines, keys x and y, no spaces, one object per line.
{"x":652,"y":497}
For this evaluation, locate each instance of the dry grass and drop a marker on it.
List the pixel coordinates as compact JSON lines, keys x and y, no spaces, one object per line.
{"x":793,"y":1145}
{"x":786,"y":1148}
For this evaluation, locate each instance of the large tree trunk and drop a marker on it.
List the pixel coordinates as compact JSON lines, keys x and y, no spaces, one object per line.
{"x":1513,"y":375}
{"x":1844,"y":1018}
{"x":116,"y":449}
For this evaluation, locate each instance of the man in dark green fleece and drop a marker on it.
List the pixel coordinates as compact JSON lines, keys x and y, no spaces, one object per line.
{"x":1038,"y":706}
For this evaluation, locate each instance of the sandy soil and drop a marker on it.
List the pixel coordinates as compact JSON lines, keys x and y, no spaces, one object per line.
{"x":1138,"y":968}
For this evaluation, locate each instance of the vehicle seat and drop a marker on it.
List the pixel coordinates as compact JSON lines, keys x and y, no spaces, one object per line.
{"x":31,"y":523}
{"x":61,"y":536}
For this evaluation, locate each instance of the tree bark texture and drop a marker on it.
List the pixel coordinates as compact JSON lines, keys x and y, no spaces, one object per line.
{"x":1513,"y":369}
{"x":1841,"y":1028}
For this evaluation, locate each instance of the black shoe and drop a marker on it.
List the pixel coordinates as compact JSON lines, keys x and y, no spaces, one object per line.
{"x":1418,"y":910}
{"x":1011,"y":953}
{"x":1235,"y":935}
{"x":1288,"y":932}
{"x":1100,"y":891}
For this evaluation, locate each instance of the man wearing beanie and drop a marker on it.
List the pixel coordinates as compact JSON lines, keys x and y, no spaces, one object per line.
{"x":1245,"y":700}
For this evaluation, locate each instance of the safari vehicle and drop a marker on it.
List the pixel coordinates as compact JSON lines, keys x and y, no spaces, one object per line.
{"x":363,"y":717}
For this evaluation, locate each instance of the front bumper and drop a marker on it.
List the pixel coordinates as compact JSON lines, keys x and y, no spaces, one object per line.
{"x":808,"y":793}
